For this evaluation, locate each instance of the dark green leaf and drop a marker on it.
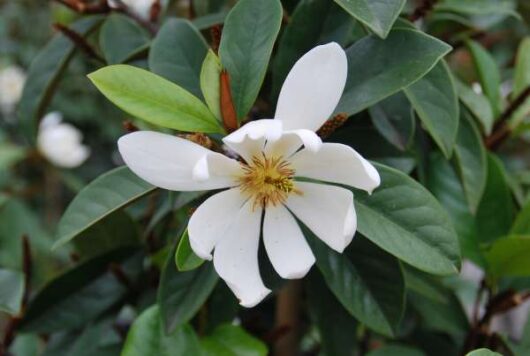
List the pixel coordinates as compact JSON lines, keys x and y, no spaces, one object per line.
{"x":177,"y":53}
{"x":106,"y":194}
{"x":434,"y":99}
{"x":185,"y":259}
{"x":249,"y":33}
{"x":478,"y":105}
{"x":404,"y":219}
{"x":521,"y":226}
{"x":478,"y":7}
{"x":11,"y":290}
{"x":120,"y":37}
{"x":378,"y":15}
{"x":521,"y":80}
{"x":379,"y":68}
{"x":396,"y":350}
{"x":231,"y":340}
{"x":509,"y":257}
{"x":147,"y":337}
{"x":154,"y":99}
{"x":45,"y":72}
{"x":82,"y":293}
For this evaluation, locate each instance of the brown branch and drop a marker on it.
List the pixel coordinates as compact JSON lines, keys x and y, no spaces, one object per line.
{"x":83,"y":8}
{"x":27,"y":268}
{"x":288,"y":318}
{"x":422,"y":10}
{"x":215,"y":32}
{"x":78,"y":41}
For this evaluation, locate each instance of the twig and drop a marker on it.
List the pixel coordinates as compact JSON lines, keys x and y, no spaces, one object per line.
{"x":79,"y":41}
{"x":422,"y":10}
{"x":27,"y":268}
{"x":216,"y":31}
{"x":79,"y":6}
{"x":120,"y":275}
{"x":288,"y":316}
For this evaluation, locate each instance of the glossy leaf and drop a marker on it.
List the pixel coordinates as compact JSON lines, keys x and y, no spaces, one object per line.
{"x":509,"y":257}
{"x":210,"y":82}
{"x":393,"y":118}
{"x":249,"y":33}
{"x":378,"y":15}
{"x":366,"y":280}
{"x":435,"y":100}
{"x":11,"y":290}
{"x":488,"y":73}
{"x":493,"y":222}
{"x":154,"y":99}
{"x":45,"y":72}
{"x":81,"y":294}
{"x":404,"y":219}
{"x":478,"y":105}
{"x":379,"y":68}
{"x":177,"y":53}
{"x":312,"y":23}
{"x":185,"y":259}
{"x":120,"y":38}
{"x":471,"y":159}
{"x":108,"y":193}
{"x":147,"y":337}
{"x":232,"y":340}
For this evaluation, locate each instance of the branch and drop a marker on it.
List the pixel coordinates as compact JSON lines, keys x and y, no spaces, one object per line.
{"x":422,"y":10}
{"x":80,"y":7}
{"x":78,"y":41}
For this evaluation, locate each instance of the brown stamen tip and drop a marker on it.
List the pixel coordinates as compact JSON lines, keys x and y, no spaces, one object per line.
{"x":228,"y":110}
{"x":332,"y":124}
{"x":198,"y":138}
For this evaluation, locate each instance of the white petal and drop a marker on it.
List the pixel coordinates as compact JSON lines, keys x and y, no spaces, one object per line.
{"x":291,"y":141}
{"x":313,"y":88}
{"x":61,"y":143}
{"x":327,"y":210}
{"x":336,"y":163}
{"x":286,"y":246}
{"x":236,"y":257}
{"x":211,"y":219}
{"x":248,"y":141}
{"x":170,"y":162}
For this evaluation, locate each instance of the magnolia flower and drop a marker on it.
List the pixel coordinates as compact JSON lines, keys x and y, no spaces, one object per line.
{"x":12,"y":81}
{"x":60,"y":142}
{"x":284,"y":172}
{"x":141,"y":8}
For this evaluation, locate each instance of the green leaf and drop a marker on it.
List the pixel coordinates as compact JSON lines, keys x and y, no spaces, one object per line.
{"x":106,"y":194}
{"x":379,"y":68}
{"x":366,"y":280}
{"x":312,"y":23}
{"x":249,"y":33}
{"x":378,"y":15}
{"x":81,"y":294}
{"x":154,"y":99}
{"x":488,"y":74}
{"x":337,"y":328}
{"x":521,"y":78}
{"x":231,"y":340}
{"x":210,"y":82}
{"x":404,"y":219}
{"x":185,"y":259}
{"x":181,"y":294}
{"x":11,"y":290}
{"x":45,"y":72}
{"x":509,"y":257}
{"x":478,"y":7}
{"x":471,"y":159}
{"x":521,"y":226}
{"x":10,"y":154}
{"x":147,"y":337}
{"x":478,"y":104}
{"x":177,"y":53}
{"x":396,"y":350}
{"x":394,"y":120}
{"x":434,"y":99}
{"x":483,"y":352}
{"x":120,"y":37}
{"x":493,"y":221}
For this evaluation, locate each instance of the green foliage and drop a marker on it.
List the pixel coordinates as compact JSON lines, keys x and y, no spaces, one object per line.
{"x":12,"y":283}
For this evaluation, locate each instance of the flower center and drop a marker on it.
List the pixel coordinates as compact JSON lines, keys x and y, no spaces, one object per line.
{"x":267,"y":181}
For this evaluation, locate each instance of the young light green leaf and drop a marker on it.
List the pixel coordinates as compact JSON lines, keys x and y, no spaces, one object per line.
{"x":210,"y":82}
{"x":379,"y":68}
{"x":434,"y":99}
{"x":154,"y":99}
{"x":120,"y":37}
{"x":232,"y":340}
{"x":147,"y":337}
{"x":470,"y":155}
{"x":185,"y":259}
{"x":45,"y":72}
{"x":404,"y":219}
{"x":378,"y":15}
{"x":108,"y":193}
{"x":478,"y":105}
{"x":488,"y":74}
{"x":11,"y":290}
{"x":483,"y":352}
{"x":249,"y":33}
{"x":508,"y":256}
{"x":177,"y":53}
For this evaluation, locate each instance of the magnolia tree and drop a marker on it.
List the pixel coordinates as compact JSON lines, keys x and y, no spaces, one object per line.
{"x":253,"y":177}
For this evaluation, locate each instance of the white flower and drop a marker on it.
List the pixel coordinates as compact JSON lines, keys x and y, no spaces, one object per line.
{"x":12,"y":81}
{"x":60,"y":142}
{"x":266,"y":185}
{"x":142,"y":8}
